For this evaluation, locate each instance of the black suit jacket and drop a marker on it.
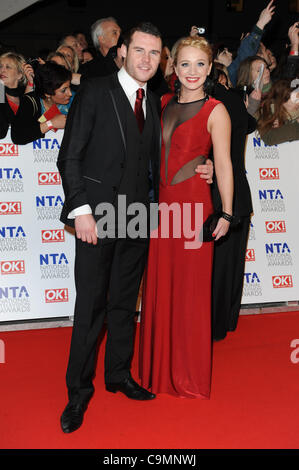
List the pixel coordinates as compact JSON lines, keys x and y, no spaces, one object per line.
{"x":100,"y":66}
{"x":93,"y":152}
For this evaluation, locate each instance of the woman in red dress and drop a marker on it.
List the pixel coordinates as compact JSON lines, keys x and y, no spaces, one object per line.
{"x":175,"y":342}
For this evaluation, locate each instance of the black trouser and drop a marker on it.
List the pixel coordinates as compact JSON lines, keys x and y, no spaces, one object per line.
{"x":228,"y":276}
{"x":107,"y":278}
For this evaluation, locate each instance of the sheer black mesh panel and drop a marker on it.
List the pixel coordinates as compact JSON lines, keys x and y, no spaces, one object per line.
{"x":174,"y":115}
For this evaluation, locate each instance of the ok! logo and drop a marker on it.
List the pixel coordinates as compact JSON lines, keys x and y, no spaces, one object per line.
{"x":12,"y":267}
{"x":56,"y":295}
{"x":10,"y":208}
{"x":269,"y":173}
{"x":281,"y":281}
{"x":250,"y":254}
{"x":275,"y":226}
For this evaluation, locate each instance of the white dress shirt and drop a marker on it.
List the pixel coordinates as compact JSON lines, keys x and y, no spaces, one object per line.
{"x":130,"y":87}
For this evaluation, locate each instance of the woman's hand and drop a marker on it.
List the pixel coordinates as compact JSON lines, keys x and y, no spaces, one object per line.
{"x":59,"y":121}
{"x":221,"y":229}
{"x":256,"y":95}
{"x":266,"y":15}
{"x":29,"y":74}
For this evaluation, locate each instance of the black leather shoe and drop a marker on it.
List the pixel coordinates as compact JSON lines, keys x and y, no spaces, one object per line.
{"x":72,"y":417}
{"x":131,"y":389}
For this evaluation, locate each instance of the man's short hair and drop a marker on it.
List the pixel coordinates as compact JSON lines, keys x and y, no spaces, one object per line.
{"x":144,"y":27}
{"x":97,"y":30}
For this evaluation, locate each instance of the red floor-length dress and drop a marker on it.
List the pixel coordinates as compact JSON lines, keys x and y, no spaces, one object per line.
{"x":175,"y":339}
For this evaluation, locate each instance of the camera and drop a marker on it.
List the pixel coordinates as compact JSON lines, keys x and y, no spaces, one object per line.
{"x":201,"y":30}
{"x":33,"y":62}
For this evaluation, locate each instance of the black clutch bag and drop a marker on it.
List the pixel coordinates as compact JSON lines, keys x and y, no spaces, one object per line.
{"x":210,"y":223}
{"x":209,"y":226}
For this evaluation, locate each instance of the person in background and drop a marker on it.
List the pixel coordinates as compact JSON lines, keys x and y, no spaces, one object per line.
{"x":161,"y":82}
{"x":105,"y":34}
{"x":81,"y":38}
{"x":17,"y":77}
{"x":88,"y":55}
{"x":249,"y":45}
{"x":268,"y":55}
{"x":61,"y":59}
{"x":288,"y":65}
{"x":278,"y":120}
{"x":71,"y":56}
{"x":222,"y":75}
{"x":51,"y":90}
{"x":71,"y":41}
{"x":257,"y":82}
{"x":230,"y":250}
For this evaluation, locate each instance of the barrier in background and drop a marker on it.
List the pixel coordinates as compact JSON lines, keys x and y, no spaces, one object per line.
{"x":272,"y":261}
{"x":37,"y":253}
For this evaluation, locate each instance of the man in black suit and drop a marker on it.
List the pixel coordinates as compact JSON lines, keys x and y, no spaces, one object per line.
{"x":104,"y":155}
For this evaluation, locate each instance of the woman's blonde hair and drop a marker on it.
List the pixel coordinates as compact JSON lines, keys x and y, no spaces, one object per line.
{"x":54,"y":54}
{"x":19,"y":62}
{"x":200,"y":42}
{"x":75,"y":55}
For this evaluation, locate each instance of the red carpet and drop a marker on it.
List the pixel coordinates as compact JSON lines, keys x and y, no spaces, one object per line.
{"x":253,"y":405}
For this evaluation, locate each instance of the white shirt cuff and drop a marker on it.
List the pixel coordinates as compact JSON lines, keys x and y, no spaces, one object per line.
{"x":82,"y":210}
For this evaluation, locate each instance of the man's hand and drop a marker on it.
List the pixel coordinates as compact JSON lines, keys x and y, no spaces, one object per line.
{"x":266,"y":15}
{"x":85,"y":227}
{"x":206,"y":171}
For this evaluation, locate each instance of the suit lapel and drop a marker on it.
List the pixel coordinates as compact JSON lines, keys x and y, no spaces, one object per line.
{"x":119,"y":99}
{"x":156,"y":119}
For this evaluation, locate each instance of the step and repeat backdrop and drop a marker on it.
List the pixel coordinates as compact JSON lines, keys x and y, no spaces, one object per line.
{"x":37,"y":251}
{"x":272,"y":259}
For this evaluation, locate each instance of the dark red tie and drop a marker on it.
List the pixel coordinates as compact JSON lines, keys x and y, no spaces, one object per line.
{"x":138,"y":108}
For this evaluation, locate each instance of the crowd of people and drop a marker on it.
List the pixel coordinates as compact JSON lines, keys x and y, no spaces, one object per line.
{"x":252,"y":69}
{"x":204,"y":99}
